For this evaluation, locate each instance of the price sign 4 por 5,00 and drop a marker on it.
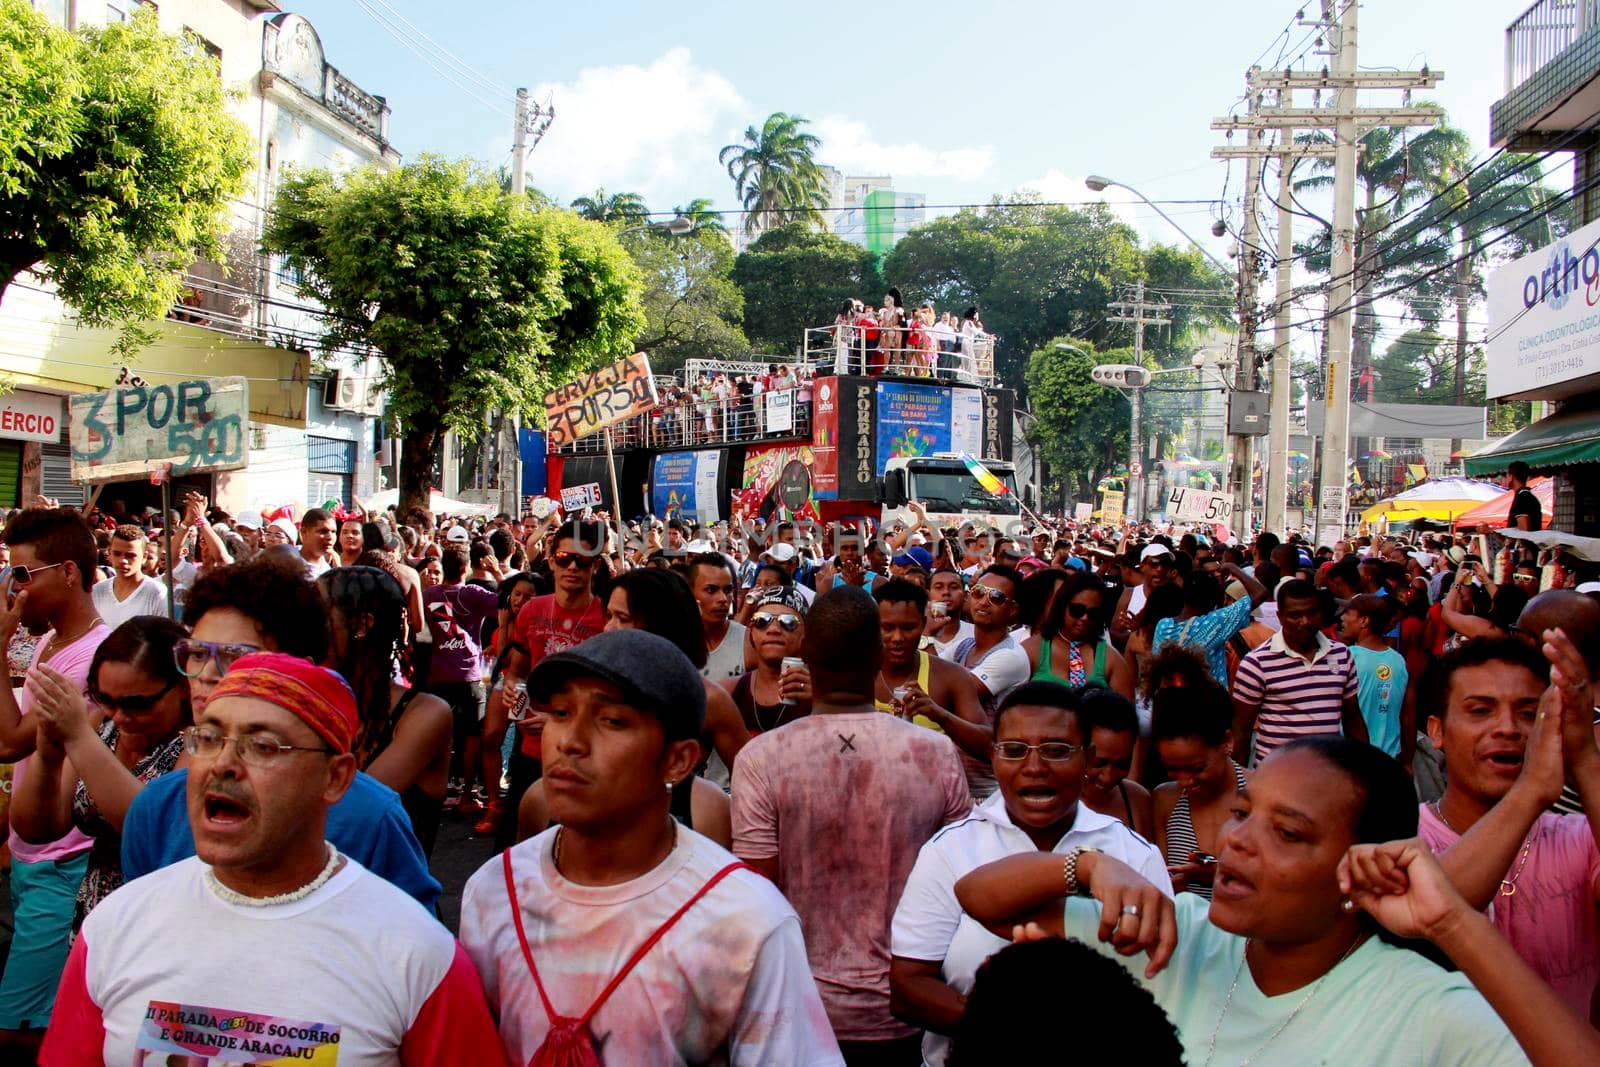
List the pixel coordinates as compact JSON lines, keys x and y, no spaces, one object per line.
{"x":196,"y":425}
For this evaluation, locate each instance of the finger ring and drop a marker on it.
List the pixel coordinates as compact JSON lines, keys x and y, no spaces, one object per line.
{"x":1348,"y":905}
{"x":1130,"y":909}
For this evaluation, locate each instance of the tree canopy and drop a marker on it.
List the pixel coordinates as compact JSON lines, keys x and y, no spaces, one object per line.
{"x":1080,"y":428}
{"x":474,"y":299}
{"x":692,"y":308}
{"x":793,"y":278}
{"x":117,"y":159}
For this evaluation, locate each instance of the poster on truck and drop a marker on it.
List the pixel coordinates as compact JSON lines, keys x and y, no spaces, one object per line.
{"x":777,"y":484}
{"x":683,"y":485}
{"x":913,"y":420}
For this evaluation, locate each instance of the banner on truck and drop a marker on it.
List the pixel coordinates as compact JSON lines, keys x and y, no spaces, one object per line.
{"x":780,"y":410}
{"x":777,"y":484}
{"x":913,"y":420}
{"x":683,"y":485}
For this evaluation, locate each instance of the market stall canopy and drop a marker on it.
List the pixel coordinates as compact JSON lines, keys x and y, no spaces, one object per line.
{"x":1493,"y":512}
{"x":438,"y":503}
{"x":1441,"y":499}
{"x":1564,"y":438}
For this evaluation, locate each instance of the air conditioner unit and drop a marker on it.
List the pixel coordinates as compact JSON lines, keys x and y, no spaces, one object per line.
{"x":348,"y":393}
{"x":374,"y":398}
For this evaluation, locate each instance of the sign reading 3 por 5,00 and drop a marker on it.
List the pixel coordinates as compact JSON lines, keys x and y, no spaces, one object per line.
{"x":132,"y":431}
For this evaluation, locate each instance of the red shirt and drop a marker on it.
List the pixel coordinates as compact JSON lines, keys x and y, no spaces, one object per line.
{"x":544,"y":628}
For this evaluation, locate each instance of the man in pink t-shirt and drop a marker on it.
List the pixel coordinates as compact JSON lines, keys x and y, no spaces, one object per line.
{"x":53,"y":559}
{"x":1499,"y":724}
{"x":834,"y":808}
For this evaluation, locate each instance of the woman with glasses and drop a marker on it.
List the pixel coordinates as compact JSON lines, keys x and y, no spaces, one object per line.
{"x":1041,"y":751}
{"x":1072,"y":647}
{"x":403,"y":736}
{"x":86,"y":777}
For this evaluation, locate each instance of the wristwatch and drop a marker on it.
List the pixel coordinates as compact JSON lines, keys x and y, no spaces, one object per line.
{"x":1069,"y":870}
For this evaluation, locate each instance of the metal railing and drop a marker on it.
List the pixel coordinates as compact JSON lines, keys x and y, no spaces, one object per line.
{"x":845,"y":348}
{"x":685,"y":421}
{"x":1543,"y":32}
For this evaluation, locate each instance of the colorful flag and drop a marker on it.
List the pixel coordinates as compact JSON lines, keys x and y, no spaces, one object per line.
{"x":1419,"y":471}
{"x":984,"y":477}
{"x":1355,"y":475}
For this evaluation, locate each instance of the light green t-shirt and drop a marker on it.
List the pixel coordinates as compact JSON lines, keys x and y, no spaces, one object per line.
{"x":1383,"y":1005}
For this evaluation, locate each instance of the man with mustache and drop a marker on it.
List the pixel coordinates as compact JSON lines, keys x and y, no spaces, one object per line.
{"x":617,"y":928}
{"x":269,"y":943}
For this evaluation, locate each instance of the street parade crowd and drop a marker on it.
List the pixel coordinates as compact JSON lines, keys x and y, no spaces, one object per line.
{"x":767,"y":792}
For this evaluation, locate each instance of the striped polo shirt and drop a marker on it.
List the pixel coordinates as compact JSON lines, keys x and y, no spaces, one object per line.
{"x":1295,"y":697}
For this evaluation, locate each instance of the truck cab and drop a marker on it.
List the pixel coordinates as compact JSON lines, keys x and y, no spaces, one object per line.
{"x":949,"y":492}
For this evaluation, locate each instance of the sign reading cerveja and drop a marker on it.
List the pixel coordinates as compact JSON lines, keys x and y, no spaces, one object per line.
{"x":624,"y":389}
{"x":129,"y":432}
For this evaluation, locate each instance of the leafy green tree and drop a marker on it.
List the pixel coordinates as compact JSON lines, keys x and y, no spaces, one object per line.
{"x":692,"y":307}
{"x":602,"y":206}
{"x":794,"y":278}
{"x":475,"y":300}
{"x":117,"y":159}
{"x":1080,"y":428}
{"x":775,"y":173}
{"x":1036,"y":272}
{"x":537,"y":197}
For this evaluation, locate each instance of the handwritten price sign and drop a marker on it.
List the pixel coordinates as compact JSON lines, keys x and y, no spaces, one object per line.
{"x":1197,"y":505}
{"x":195,"y":426}
{"x":595,"y":401}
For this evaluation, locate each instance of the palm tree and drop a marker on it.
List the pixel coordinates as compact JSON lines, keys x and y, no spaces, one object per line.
{"x":703,"y":219}
{"x":611,"y":207}
{"x":1395,"y":172}
{"x":537,"y":197}
{"x":775,"y":173}
{"x":1502,"y":204}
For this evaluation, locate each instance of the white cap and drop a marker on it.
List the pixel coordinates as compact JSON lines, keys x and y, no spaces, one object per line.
{"x":782,"y":552}
{"x":1589,"y":587}
{"x":287,"y":527}
{"x":917,"y":538}
{"x":1426,"y":559}
{"x":248,"y":520}
{"x":458,"y":535}
{"x":1152,"y":551}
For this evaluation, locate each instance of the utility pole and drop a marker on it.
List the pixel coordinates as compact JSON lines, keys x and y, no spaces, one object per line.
{"x":1278,"y":410}
{"x":1348,"y":123}
{"x":1134,"y":311}
{"x":519,"y":147}
{"x":1241,"y":468}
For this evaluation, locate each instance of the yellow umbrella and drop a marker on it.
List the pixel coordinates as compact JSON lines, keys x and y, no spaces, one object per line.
{"x":1412,"y":510}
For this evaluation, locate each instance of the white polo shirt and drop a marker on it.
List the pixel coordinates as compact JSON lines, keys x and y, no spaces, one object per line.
{"x":929,"y":924}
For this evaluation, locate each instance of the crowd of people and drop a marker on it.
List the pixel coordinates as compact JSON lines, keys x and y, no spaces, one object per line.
{"x":768,"y":794}
{"x":915,"y":342}
{"x":725,"y":406}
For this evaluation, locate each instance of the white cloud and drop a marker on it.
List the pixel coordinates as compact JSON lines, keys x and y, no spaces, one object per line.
{"x":848,"y":145}
{"x":654,"y":130}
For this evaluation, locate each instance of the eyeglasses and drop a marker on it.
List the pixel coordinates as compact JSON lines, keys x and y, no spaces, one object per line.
{"x":191,"y":656}
{"x":763,"y":619}
{"x":24,"y":575}
{"x":256,"y":750}
{"x":996,"y":597}
{"x":1525,"y":578}
{"x":1049,"y":751}
{"x":571,"y":559}
{"x":133,"y":705}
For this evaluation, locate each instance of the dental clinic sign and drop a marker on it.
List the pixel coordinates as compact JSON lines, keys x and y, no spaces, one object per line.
{"x":1544,"y":321}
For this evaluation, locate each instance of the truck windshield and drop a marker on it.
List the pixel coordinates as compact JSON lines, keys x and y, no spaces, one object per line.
{"x":957,"y":490}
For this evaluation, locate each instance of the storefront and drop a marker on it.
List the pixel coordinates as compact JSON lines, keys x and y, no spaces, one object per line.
{"x":32,"y":434}
{"x":1544,"y":344}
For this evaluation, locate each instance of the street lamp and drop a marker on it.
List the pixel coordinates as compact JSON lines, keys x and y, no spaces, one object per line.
{"x":1098,"y":183}
{"x":677,"y":226}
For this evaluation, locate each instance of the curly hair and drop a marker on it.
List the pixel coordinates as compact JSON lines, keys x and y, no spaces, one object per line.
{"x":273,"y":592}
{"x":373,"y":654}
{"x":1175,"y":661}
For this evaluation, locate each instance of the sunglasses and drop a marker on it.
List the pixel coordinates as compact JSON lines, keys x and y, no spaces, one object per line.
{"x":1078,"y":611}
{"x":1525,"y":578}
{"x":132,"y":705}
{"x":24,"y":575}
{"x":763,"y":619}
{"x":571,"y":559}
{"x":191,"y":656}
{"x":993,"y":596}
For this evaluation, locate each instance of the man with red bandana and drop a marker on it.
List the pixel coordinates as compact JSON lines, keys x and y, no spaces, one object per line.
{"x":268,"y":945}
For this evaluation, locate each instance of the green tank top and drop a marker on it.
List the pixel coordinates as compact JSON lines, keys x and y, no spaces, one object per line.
{"x":1095,"y":677}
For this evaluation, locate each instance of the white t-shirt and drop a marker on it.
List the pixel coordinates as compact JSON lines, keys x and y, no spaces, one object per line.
{"x":942,"y":648}
{"x":149,"y":597}
{"x":1003,"y":668}
{"x":727,"y":659}
{"x":929,"y":924}
{"x":165,"y":969}
{"x":728,"y":983}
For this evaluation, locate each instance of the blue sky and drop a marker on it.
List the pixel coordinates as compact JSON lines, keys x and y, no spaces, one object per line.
{"x":958,"y":100}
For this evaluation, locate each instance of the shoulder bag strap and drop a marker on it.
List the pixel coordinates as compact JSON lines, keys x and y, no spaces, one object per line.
{"x":522,"y":936}
{"x":649,"y":943}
